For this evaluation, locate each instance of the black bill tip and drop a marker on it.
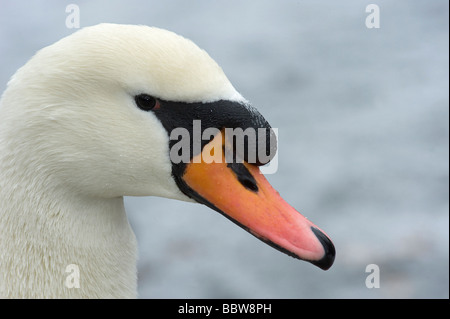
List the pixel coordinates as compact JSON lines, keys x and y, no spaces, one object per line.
{"x":330,"y":252}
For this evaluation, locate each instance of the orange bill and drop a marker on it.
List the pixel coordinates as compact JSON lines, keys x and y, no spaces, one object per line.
{"x":241,"y":193}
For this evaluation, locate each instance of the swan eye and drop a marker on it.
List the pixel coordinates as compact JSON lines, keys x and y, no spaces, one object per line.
{"x":146,"y":102}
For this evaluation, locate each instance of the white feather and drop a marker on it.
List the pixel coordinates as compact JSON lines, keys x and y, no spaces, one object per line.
{"x":72,"y":144}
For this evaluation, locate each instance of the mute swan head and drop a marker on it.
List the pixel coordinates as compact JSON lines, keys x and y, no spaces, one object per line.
{"x":92,"y":118}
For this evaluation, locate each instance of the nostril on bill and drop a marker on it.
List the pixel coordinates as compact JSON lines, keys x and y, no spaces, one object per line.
{"x":243,"y":175}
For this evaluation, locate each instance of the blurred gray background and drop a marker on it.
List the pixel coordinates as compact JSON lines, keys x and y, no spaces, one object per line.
{"x":363,"y":119}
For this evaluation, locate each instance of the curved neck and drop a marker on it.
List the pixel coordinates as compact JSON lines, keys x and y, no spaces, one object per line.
{"x":58,"y":244}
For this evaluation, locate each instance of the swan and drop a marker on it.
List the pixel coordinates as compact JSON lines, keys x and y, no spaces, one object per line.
{"x":88,"y":120}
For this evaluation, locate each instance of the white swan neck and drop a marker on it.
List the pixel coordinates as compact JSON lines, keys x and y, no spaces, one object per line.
{"x":42,"y":237}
